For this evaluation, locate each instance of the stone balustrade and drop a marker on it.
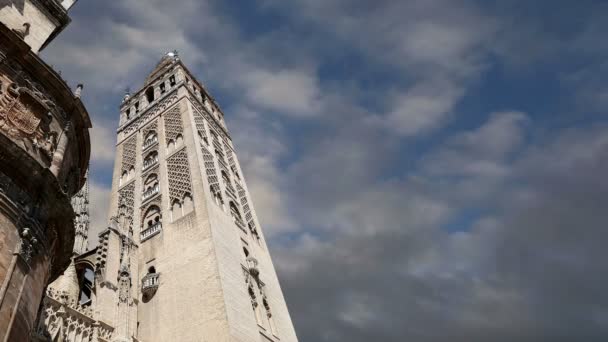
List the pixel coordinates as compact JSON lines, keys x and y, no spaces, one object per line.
{"x":151,"y":231}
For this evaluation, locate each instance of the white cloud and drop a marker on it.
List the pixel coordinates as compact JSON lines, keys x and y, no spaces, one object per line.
{"x":103,"y":143}
{"x":423,"y":107}
{"x":290,"y":92}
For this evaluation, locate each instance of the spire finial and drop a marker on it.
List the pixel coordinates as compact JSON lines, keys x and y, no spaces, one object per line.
{"x":127,"y":94}
{"x":173,"y":54}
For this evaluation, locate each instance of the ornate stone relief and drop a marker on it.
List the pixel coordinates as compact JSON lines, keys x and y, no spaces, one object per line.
{"x":126,"y":204}
{"x":128,"y":154}
{"x":210,"y":171}
{"x":173,"y":124}
{"x":178,"y":170}
{"x":26,"y":118}
{"x":247,"y":210}
{"x":29,"y":245}
{"x":124,"y":285}
{"x":141,"y":121}
{"x":210,"y":119}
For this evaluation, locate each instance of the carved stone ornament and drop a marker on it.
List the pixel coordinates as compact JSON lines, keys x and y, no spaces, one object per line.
{"x":28,"y":245}
{"x":25,"y":117}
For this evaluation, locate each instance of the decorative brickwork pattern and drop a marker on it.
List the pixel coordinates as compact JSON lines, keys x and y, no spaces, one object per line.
{"x":199,"y":121}
{"x":210,"y":170}
{"x":178,"y":170}
{"x":152,"y":112}
{"x":245,"y":205}
{"x":125,"y":197}
{"x":128,"y":154}
{"x":173,"y":124}
{"x":153,"y":126}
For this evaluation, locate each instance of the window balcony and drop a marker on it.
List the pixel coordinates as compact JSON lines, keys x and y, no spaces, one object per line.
{"x":149,"y":193}
{"x":150,"y":162}
{"x":151,"y":141}
{"x":149,"y":283}
{"x":151,"y":231}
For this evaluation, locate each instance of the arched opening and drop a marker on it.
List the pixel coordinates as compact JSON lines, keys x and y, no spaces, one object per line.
{"x":151,"y":270}
{"x":150,"y":139}
{"x":150,"y":94}
{"x":176,"y":210}
{"x":246,"y":252}
{"x":179,"y":140}
{"x":172,"y":80}
{"x":217,"y":196}
{"x":151,"y":186}
{"x":226,"y":178}
{"x":151,"y":159}
{"x":187,"y":203}
{"x":162,"y":87}
{"x":236,"y":215}
{"x":151,"y":223}
{"x":86,"y":277}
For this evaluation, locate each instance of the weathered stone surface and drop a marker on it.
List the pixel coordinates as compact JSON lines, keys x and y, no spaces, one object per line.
{"x":44,"y":153}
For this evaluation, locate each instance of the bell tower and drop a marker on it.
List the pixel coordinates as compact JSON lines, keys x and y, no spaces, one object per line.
{"x":188,"y":253}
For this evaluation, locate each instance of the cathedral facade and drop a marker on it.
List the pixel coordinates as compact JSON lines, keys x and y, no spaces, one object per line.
{"x":183,"y":257}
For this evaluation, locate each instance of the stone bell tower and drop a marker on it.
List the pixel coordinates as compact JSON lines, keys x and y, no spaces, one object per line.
{"x":186,"y":258}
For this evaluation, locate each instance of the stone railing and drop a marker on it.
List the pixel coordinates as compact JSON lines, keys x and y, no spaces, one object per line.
{"x":150,"y":142}
{"x":149,"y":162}
{"x":150,"y":282}
{"x":151,"y":231}
{"x":149,"y":193}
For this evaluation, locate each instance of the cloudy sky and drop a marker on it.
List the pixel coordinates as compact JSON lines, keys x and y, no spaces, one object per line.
{"x":424,"y":170}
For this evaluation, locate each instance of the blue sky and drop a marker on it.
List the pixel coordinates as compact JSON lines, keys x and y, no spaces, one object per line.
{"x":424,"y":170}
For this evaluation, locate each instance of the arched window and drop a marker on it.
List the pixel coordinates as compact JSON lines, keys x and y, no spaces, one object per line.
{"x":246,"y":252}
{"x":151,"y":159}
{"x":86,"y":277}
{"x":176,"y":210}
{"x":151,"y":270}
{"x":172,"y":80}
{"x":150,"y":94}
{"x":226,"y":178}
{"x":151,"y":223}
{"x":179,"y":139}
{"x":137,"y":107}
{"x":123,"y":177}
{"x":217,"y":196}
{"x":162,"y":87}
{"x":187,"y":205}
{"x":151,"y":186}
{"x":234,"y":212}
{"x":150,"y":139}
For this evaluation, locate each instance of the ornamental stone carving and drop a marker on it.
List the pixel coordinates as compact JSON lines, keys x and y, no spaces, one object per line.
{"x":26,"y":118}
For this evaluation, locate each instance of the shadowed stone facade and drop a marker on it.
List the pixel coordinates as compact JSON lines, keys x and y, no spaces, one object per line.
{"x":44,"y":153}
{"x":183,"y":257}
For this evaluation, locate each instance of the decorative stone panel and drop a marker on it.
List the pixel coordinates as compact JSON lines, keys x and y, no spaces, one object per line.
{"x":173,"y":124}
{"x":178,"y":170}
